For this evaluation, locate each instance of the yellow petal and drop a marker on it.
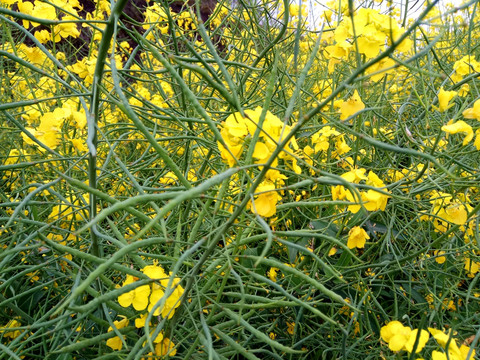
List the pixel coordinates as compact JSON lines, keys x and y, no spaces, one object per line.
{"x":261,"y":151}
{"x":460,"y":127}
{"x":115,"y":343}
{"x":154,"y":272}
{"x":397,"y":342}
{"x":351,"y":106}
{"x":456,"y":214}
{"x":437,"y":355}
{"x":421,"y":341}
{"x":140,"y":300}
{"x":125,"y":300}
{"x":391,"y":329}
{"x":156,"y":295}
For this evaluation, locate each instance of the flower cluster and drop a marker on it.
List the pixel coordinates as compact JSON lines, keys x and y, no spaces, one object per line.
{"x":369,"y":32}
{"x":372,"y":200}
{"x":237,"y":132}
{"x":324,"y":140}
{"x":403,"y":338}
{"x":163,"y":345}
{"x":65,"y":10}
{"x":151,"y":296}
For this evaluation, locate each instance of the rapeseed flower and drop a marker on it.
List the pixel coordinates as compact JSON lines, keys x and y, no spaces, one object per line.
{"x":13,"y":334}
{"x":473,"y":112}
{"x":116,"y":342}
{"x":137,"y":297}
{"x":266,"y":201}
{"x":147,"y":296}
{"x":459,"y":127}
{"x":350,"y":107}
{"x":401,"y":337}
{"x":444,"y":98}
{"x":450,"y":346}
{"x":357,"y":238}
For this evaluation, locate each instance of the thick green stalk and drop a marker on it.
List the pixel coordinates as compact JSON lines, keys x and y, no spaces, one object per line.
{"x":94,"y":113}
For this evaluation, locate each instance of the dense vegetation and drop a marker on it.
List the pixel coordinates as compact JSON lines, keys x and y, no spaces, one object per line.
{"x":249,"y":183}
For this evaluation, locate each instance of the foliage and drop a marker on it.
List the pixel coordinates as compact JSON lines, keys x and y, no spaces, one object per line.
{"x":253,"y":186}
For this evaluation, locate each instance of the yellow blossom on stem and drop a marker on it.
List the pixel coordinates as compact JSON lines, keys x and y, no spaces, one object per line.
{"x":456,"y":213}
{"x":14,"y":323}
{"x":273,"y":273}
{"x":290,"y":327}
{"x":165,"y":347}
{"x":357,"y":238}
{"x":266,"y":202}
{"x":459,"y":127}
{"x":116,"y":342}
{"x":137,"y":297}
{"x":476,"y":143}
{"x":449,"y":346}
{"x":401,"y":337}
{"x":444,"y":98}
{"x":440,"y":256}
{"x":473,"y":112}
{"x":472,"y":267}
{"x":148,"y":296}
{"x":351,"y":106}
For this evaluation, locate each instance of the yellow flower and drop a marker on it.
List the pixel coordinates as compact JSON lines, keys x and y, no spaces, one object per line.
{"x":454,"y":352}
{"x":444,"y":98}
{"x":357,"y":238}
{"x":472,"y":267}
{"x":395,"y":334}
{"x":47,"y":133}
{"x":236,"y":125}
{"x":66,"y":29}
{"x":381,"y":69}
{"x":155,"y":272}
{"x":158,"y":291}
{"x":155,"y":297}
{"x":261,"y":152}
{"x":137,"y":297}
{"x":14,"y":323}
{"x":473,"y":112}
{"x":374,"y":200}
{"x":290,"y":327}
{"x":165,"y":347}
{"x":421,"y":341}
{"x":79,"y":145}
{"x":456,"y":213}
{"x":273,"y":273}
{"x":147,"y":296}
{"x":332,"y":251}
{"x":266,"y":202}
{"x":459,"y":127}
{"x":116,"y":343}
{"x":439,"y":256}
{"x":140,"y":322}
{"x":26,"y":8}
{"x":464,"y":89}
{"x":43,"y":36}
{"x":401,"y":337}
{"x":351,"y":106}
{"x":371,"y":43}
{"x":476,"y":143}
{"x":465,"y":66}
{"x":44,"y":11}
